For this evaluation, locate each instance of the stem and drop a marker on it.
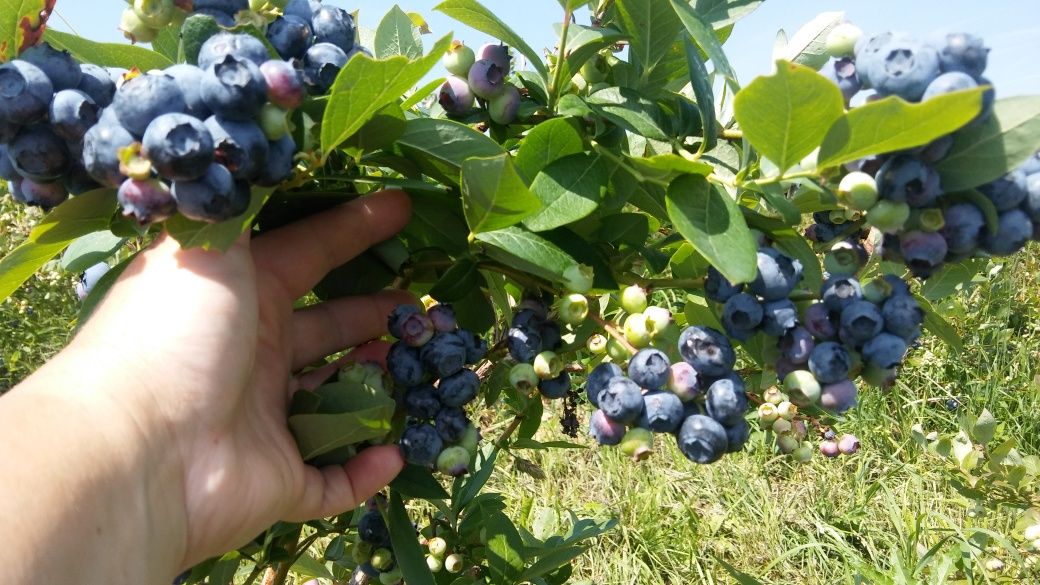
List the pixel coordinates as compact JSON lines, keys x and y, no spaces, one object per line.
{"x":561,"y":60}
{"x":731,"y":134}
{"x":506,"y":434}
{"x":282,"y":571}
{"x":782,"y":178}
{"x":613,"y":331}
{"x":664,"y":283}
{"x":257,"y":570}
{"x":518,"y":275}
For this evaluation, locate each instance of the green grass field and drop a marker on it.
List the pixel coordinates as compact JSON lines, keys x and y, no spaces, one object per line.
{"x":887,"y":515}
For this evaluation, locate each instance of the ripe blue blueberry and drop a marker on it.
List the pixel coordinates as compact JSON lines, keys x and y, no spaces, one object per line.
{"x":451,"y":424}
{"x":604,"y":430}
{"x":281,"y":160}
{"x":8,"y":130}
{"x":702,"y":439}
{"x":949,"y":83}
{"x":830,"y":362}
{"x":718,"y":288}
{"x":97,"y":82}
{"x":421,"y":444}
{"x":778,"y":274}
{"x":737,"y":436}
{"x":335,"y":26}
{"x":496,"y":53}
{"x":395,"y":322}
{"x":72,"y":113}
{"x":476,"y":348}
{"x":819,"y":323}
{"x":234,"y":88}
{"x":707,"y":350}
{"x":839,"y":292}
{"x":557,"y":387}
{"x":962,"y":52}
{"x":741,"y":315}
{"x":372,"y":529}
{"x":884,"y":351}
{"x":101,"y":146}
{"x":238,"y":145}
{"x":304,"y":9}
{"x":284,"y":84}
{"x":486,"y":79}
{"x":552,"y":338}
{"x":650,"y":369}
{"x":59,"y":66}
{"x":455,"y":96}
{"x":860,"y":322}
{"x":905,"y":179}
{"x":146,"y":201}
{"x":7,"y":170}
{"x":25,"y":92}
{"x":778,"y":317}
{"x":404,"y":364}
{"x":598,"y":379}
{"x":962,"y":228}
{"x":904,"y":67}
{"x":524,"y":344}
{"x":321,"y":65}
{"x":662,"y":412}
{"x":839,"y":396}
{"x":422,"y":402}
{"x":189,"y":80}
{"x":44,"y":195}
{"x":621,"y":400}
{"x":460,"y":388}
{"x":842,"y":72}
{"x":868,"y":53}
{"x":443,"y":355}
{"x":923,"y":252}
{"x":726,"y":400}
{"x":39,"y":154}
{"x":290,"y":36}
{"x":145,"y":98}
{"x":179,"y":147}
{"x":214,"y":197}
{"x":443,"y":317}
{"x":529,"y":318}
{"x":240,"y":46}
{"x":1014,"y":230}
{"x":796,"y":345}
{"x":1007,"y":192}
{"x":903,"y":317}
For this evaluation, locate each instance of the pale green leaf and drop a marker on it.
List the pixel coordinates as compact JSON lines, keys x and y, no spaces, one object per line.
{"x":986,"y":152}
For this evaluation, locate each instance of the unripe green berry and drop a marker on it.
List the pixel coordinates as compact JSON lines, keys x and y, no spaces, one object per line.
{"x":787,"y":410}
{"x":574,"y":308}
{"x":382,"y":559}
{"x":931,"y":220}
{"x":781,"y":425}
{"x":633,"y":299}
{"x":470,"y":440}
{"x":876,"y":290}
{"x":523,"y":377}
{"x":802,"y":387}
{"x":658,"y":320}
{"x":597,"y":344}
{"x":636,"y":330}
{"x":547,"y":365}
{"x":799,"y":429}
{"x":594,"y":70}
{"x":454,"y":564}
{"x":392,"y":577}
{"x":437,"y":546}
{"x":617,"y":351}
{"x":578,"y":278}
{"x":134,"y":29}
{"x":841,"y":42}
{"x":638,"y":443}
{"x":454,"y":461}
{"x":274,"y":121}
{"x":154,"y":13}
{"x":773,"y":396}
{"x":767,"y":413}
{"x":838,"y":217}
{"x":803,"y":453}
{"x":434,"y":564}
{"x":888,"y":216}
{"x":844,"y":258}
{"x":787,"y":442}
{"x":459,"y":59}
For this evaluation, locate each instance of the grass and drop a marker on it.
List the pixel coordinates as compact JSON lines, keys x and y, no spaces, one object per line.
{"x":870,"y":518}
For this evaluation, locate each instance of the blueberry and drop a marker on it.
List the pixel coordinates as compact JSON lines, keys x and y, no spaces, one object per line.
{"x":963,"y":226}
{"x":684,"y":381}
{"x":802,"y":387}
{"x":497,"y":53}
{"x":839,"y":396}
{"x":25,"y":92}
{"x":8,"y":130}
{"x":1007,"y":192}
{"x":860,"y":322}
{"x":404,"y":364}
{"x":147,"y":201}
{"x":39,"y":154}
{"x":487,"y":80}
{"x":1032,"y":203}
{"x":903,"y":317}
{"x":796,"y":345}
{"x":662,"y":412}
{"x":1031,"y":166}
{"x":78,"y":181}
{"x":868,"y":52}
{"x":290,"y":36}
{"x":222,"y":18}
{"x":281,"y":160}
{"x":1014,"y":230}
{"x":458,"y":59}
{"x":737,"y":436}
{"x":455,"y":96}
{"x":443,"y":355}
{"x":884,"y":351}
{"x":557,"y":387}
{"x":842,"y":72}
{"x":949,"y":83}
{"x":830,"y":362}
{"x":476,"y":348}
{"x":240,"y":46}
{"x":621,"y":400}
{"x":717,"y":288}
{"x":189,"y":79}
{"x":778,"y":317}
{"x":421,"y":444}
{"x":707,"y":350}
{"x":443,"y":317}
{"x":284,"y":84}
{"x":399,"y":317}
{"x":598,"y":379}
{"x":778,"y":274}
{"x":453,"y":461}
{"x":726,"y":400}
{"x":304,"y":9}
{"x":604,"y":430}
{"x":335,"y":26}
{"x":904,"y":67}
{"x":451,"y":424}
{"x":839,"y":292}
{"x":923,"y":252}
{"x":372,"y":529}
{"x":44,"y":195}
{"x":741,"y":313}
{"x":214,"y":197}
{"x":552,"y":338}
{"x":231,"y":7}
{"x":530,"y":318}
{"x":819,"y":323}
{"x":460,"y":388}
{"x":234,"y":89}
{"x":145,"y":98}
{"x":907,"y":179}
{"x":72,"y":113}
{"x":7,"y":170}
{"x":321,"y":65}
{"x":179,"y":147}
{"x":101,"y":146}
{"x":422,"y":402}
{"x":702,"y":439}
{"x":59,"y":66}
{"x":936,"y":150}
{"x":962,"y":52}
{"x":97,"y":82}
{"x":650,"y":369}
{"x":523,"y":344}
{"x":503,"y":108}
{"x":238,"y":145}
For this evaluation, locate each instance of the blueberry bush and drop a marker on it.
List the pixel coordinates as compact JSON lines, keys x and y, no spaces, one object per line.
{"x":621,"y":226}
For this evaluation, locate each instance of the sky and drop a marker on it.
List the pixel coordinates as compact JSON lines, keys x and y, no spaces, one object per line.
{"x":1009,"y":27}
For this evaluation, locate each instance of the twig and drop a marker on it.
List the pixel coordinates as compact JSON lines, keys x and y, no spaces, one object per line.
{"x":506,"y":434}
{"x":561,"y":61}
{"x":613,"y":331}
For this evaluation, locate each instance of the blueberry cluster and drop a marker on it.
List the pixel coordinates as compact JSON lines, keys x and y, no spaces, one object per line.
{"x":372,"y":550}
{"x":429,"y":361}
{"x":533,"y":340}
{"x":318,"y":39}
{"x":48,"y":102}
{"x":481,"y":75}
{"x":440,"y":558}
{"x":700,"y":400}
{"x":763,"y":305}
{"x":143,"y":19}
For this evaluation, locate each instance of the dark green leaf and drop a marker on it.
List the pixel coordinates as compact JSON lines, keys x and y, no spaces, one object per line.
{"x":397,"y":35}
{"x":437,"y":223}
{"x":440,"y":147}
{"x":951,"y":278}
{"x":628,"y":109}
{"x":223,"y":572}
{"x":457,"y":281}
{"x":942,"y":329}
{"x":471,"y":485}
{"x":493,"y":194}
{"x":986,"y":152}
{"x":702,"y":90}
{"x":549,"y":141}
{"x":364,"y":86}
{"x":723,"y":13}
{"x":786,"y":115}
{"x":651,"y":28}
{"x":217,"y":236}
{"x":167,"y":43}
{"x":472,"y":13}
{"x":626,"y":228}
{"x":89,"y":250}
{"x":516,"y":246}
{"x":20,"y":21}
{"x":308,"y":566}
{"x":892,"y":124}
{"x":416,"y":482}
{"x":407,"y":552}
{"x":474,"y":311}
{"x":551,"y":561}
{"x":741,"y":577}
{"x":368,"y":418}
{"x":586,"y":253}
{"x":714,"y":224}
{"x":107,"y":54}
{"x":569,"y":189}
{"x":706,"y":39}
{"x":505,"y":549}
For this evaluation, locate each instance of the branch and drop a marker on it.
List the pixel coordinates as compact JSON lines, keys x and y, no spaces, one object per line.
{"x":613,"y":331}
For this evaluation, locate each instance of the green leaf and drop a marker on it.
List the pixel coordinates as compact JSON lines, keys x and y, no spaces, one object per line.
{"x":786,"y":115}
{"x":457,"y":281}
{"x":364,"y":86}
{"x":666,"y":167}
{"x":469,"y":487}
{"x":364,"y":414}
{"x":473,"y":14}
{"x":217,"y":236}
{"x":396,"y":35}
{"x":651,"y":28}
{"x":505,"y":549}
{"x":549,"y":141}
{"x":551,"y":561}
{"x":808,"y":46}
{"x":78,"y":216}
{"x":714,"y":224}
{"x":723,"y":13}
{"x":223,"y":572}
{"x":421,"y":93}
{"x":702,"y":90}
{"x":951,"y":278}
{"x":380,"y":132}
{"x":986,"y":152}
{"x":90,"y":250}
{"x":493,"y":194}
{"x":741,"y":577}
{"x":570,"y":189}
{"x":625,"y":228}
{"x":985,"y":427}
{"x":440,"y":147}
{"x":706,"y":39}
{"x":416,"y":482}
{"x":107,"y":54}
{"x":308,"y":566}
{"x":518,"y":247}
{"x":167,"y":43}
{"x":20,"y":24}
{"x":628,"y":109}
{"x":892,"y":124}
{"x":938,"y":326}
{"x":583,"y":42}
{"x":407,"y":552}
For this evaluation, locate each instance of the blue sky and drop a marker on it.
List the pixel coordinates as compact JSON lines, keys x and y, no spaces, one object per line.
{"x":1010,"y":27}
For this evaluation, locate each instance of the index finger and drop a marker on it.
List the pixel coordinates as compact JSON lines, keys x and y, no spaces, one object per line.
{"x":300,"y":254}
